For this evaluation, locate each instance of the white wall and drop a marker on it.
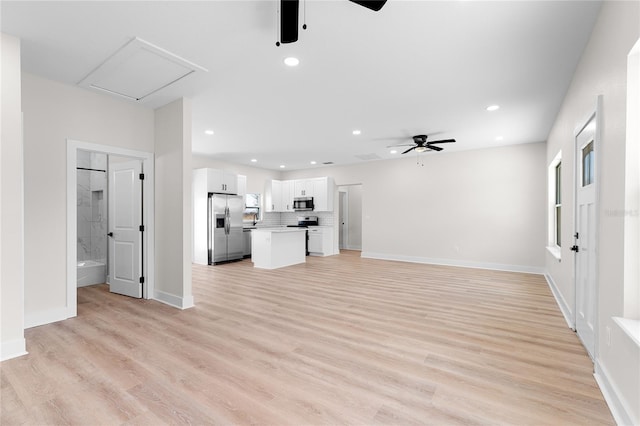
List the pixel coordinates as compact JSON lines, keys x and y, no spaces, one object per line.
{"x":482,"y":208}
{"x":173,"y":204}
{"x":602,"y":71}
{"x":54,"y":112}
{"x":12,"y":341}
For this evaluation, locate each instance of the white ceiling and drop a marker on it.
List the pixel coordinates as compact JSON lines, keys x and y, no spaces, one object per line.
{"x":414,"y":67}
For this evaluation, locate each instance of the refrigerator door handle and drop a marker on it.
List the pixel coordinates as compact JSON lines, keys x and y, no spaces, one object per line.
{"x":227,"y":220}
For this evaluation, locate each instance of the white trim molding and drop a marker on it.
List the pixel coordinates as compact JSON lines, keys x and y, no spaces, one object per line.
{"x":562,"y":304}
{"x":13,"y":349}
{"x":173,"y":300}
{"x":452,"y":262}
{"x":48,"y":317}
{"x":618,"y":406}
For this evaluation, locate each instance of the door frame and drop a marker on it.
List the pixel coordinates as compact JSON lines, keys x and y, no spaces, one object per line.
{"x":148,"y":239}
{"x":596,"y":113}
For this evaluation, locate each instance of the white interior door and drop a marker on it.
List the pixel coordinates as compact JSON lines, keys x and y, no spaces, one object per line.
{"x":342,"y":219}
{"x":585,"y":237}
{"x":125,"y":219}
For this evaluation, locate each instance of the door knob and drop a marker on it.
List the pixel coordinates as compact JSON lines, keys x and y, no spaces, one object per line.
{"x":110,"y":234}
{"x":575,"y":248}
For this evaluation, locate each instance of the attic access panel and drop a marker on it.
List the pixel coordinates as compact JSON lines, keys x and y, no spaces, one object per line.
{"x":139,"y":69}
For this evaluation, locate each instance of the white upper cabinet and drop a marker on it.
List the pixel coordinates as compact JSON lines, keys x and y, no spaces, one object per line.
{"x":287,"y":195}
{"x":273,"y":196}
{"x":242,"y":185}
{"x":222,"y":182}
{"x":322,"y":190}
{"x":301,"y":188}
{"x":279,"y":194}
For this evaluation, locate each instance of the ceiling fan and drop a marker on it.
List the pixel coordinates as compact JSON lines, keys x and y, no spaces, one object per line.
{"x":289,"y":17}
{"x":421,"y":144}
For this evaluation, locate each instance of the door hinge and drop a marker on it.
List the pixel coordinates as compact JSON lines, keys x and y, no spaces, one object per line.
{"x":576,"y":235}
{"x":141,"y":280}
{"x":141,"y":228}
{"x":141,"y":176}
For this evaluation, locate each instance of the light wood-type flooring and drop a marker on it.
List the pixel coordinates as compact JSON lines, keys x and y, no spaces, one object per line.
{"x":338,"y":340}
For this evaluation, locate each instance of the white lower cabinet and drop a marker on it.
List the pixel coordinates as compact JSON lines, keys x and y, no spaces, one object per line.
{"x":321,"y":241}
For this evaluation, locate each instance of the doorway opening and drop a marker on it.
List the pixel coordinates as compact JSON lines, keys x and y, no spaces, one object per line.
{"x":110,"y":212}
{"x":350,"y":217}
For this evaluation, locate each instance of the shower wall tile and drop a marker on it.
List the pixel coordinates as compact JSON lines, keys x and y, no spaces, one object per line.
{"x":83,"y":159}
{"x":84,"y":248}
{"x":91,"y":207}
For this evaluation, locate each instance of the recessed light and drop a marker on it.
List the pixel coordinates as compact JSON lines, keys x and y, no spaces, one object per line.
{"x":253,"y":160}
{"x":356,"y":132}
{"x":499,"y":138}
{"x":313,"y":162}
{"x":282,"y":166}
{"x":209,"y":132}
{"x":493,"y":107}
{"x":393,"y":151}
{"x":291,"y":61}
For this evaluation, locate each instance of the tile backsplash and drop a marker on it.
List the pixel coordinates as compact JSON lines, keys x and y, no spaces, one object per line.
{"x":275,"y":219}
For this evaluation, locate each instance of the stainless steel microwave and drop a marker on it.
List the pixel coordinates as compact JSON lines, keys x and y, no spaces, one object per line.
{"x":303,"y":203}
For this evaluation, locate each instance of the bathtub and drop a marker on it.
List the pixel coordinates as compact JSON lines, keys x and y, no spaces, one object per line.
{"x":91,"y":272}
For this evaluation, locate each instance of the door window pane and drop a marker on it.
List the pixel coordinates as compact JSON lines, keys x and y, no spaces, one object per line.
{"x":558,"y":227}
{"x":558,"y":183}
{"x":587,"y":164}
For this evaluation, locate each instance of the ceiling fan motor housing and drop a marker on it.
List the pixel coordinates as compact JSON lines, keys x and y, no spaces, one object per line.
{"x":289,"y":20}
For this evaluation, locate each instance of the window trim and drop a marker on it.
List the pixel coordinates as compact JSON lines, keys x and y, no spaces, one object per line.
{"x":555,"y":201}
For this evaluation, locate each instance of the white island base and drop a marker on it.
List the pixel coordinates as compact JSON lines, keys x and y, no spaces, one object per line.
{"x":273,"y":248}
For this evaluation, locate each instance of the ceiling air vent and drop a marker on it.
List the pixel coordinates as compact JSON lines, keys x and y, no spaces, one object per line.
{"x":367,"y":157}
{"x":137,"y":70}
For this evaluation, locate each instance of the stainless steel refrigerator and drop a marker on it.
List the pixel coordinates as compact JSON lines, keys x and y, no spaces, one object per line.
{"x":225,"y":239}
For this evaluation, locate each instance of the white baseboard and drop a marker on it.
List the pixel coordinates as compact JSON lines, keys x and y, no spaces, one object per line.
{"x":562,"y":304}
{"x":452,"y":262}
{"x":173,"y":300}
{"x":47,"y":317}
{"x":13,"y":349}
{"x":618,"y":406}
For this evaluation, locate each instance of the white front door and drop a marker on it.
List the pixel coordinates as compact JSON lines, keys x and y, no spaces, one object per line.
{"x":125,"y":220}
{"x":585,"y":236}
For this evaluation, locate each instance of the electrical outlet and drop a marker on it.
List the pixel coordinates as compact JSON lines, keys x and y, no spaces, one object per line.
{"x":608,"y":331}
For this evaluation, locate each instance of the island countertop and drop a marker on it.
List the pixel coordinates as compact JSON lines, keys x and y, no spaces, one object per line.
{"x":278,"y":230}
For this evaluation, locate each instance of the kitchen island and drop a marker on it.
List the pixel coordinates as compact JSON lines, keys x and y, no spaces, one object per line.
{"x":273,"y":248}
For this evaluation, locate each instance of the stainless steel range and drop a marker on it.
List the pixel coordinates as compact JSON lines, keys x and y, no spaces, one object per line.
{"x":305,"y":222}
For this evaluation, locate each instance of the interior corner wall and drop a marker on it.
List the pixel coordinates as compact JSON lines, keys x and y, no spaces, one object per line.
{"x":173,"y":204}
{"x":53,"y":113}
{"x":12,"y":341}
{"x":480,"y":208}
{"x":602,"y":71}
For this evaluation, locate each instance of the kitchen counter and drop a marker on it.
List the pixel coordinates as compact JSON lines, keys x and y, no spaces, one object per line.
{"x":273,"y":248}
